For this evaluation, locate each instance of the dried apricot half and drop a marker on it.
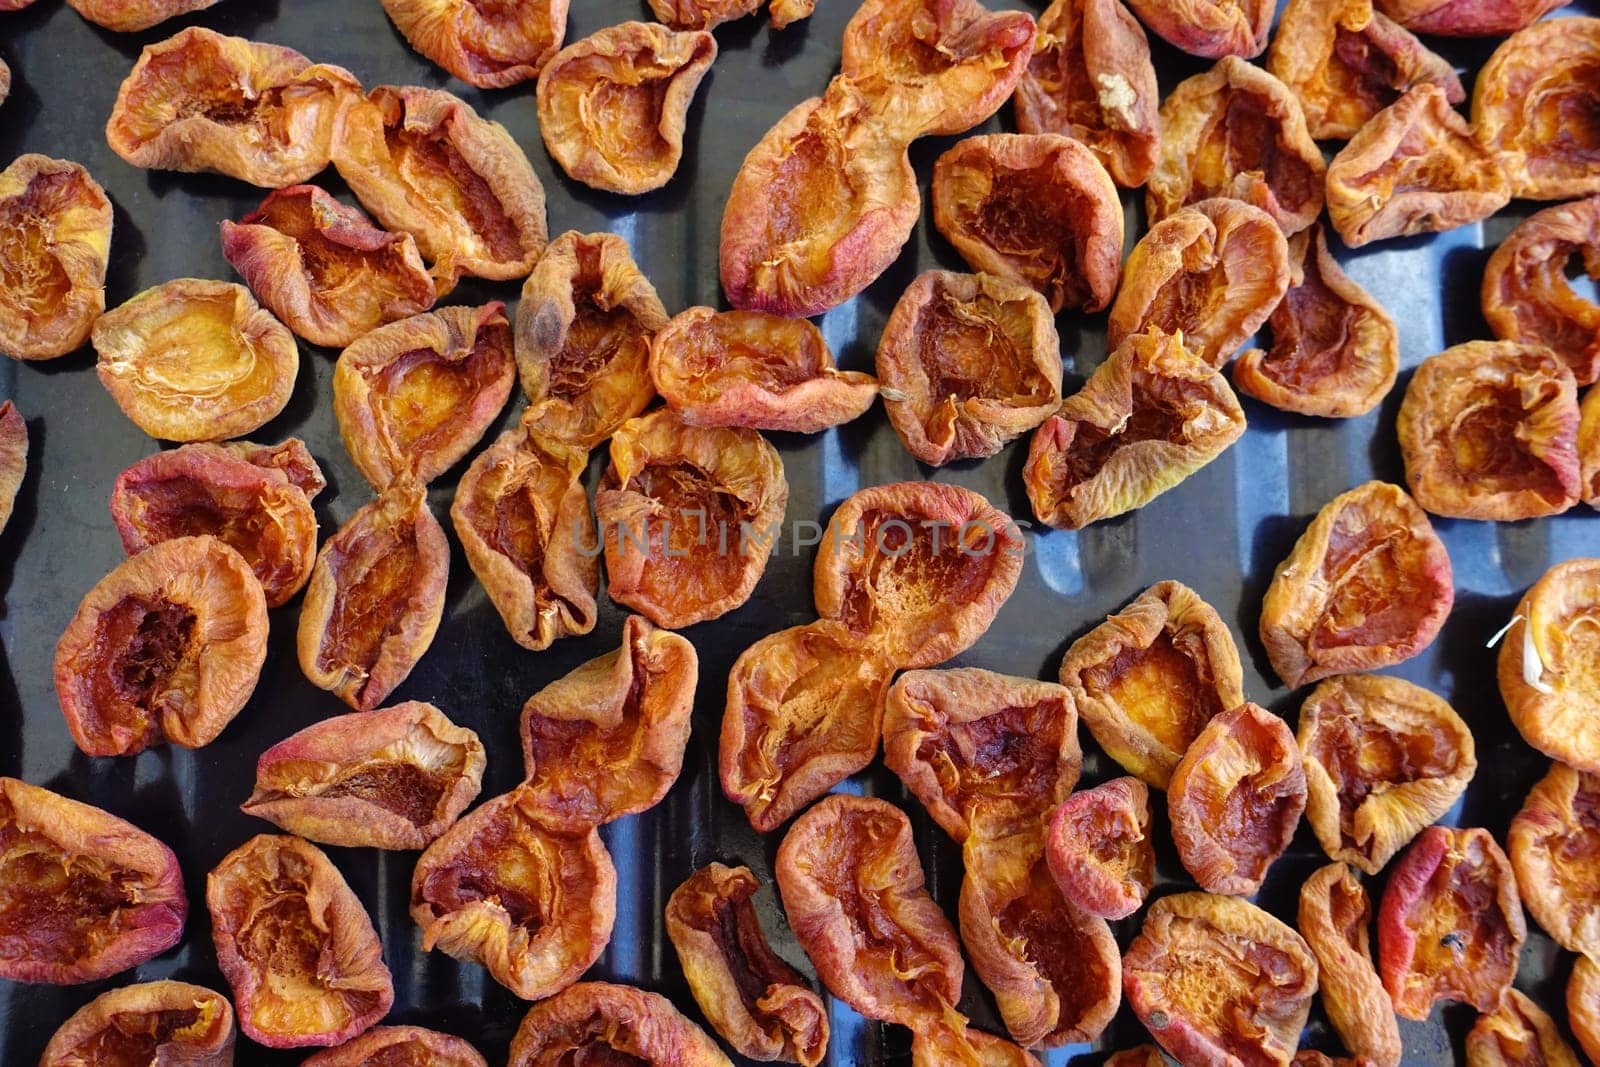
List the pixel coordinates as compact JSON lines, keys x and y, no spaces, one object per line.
{"x":1467,"y":18}
{"x":488,"y":45}
{"x":601,"y":1023}
{"x":1099,"y":848}
{"x":1535,"y":103}
{"x":147,"y":1023}
{"x":1549,"y":663}
{"x":402,"y":1046}
{"x":1554,"y":842}
{"x":13,"y":458}
{"x":131,"y":16}
{"x":1583,"y":1006}
{"x":57,"y":222}
{"x":1335,"y":914}
{"x":1210,"y":28}
{"x":1517,"y":1032}
{"x":1526,"y":294}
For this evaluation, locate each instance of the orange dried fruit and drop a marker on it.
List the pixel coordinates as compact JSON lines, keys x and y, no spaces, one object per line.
{"x":53,"y":281}
{"x":1210,"y":28}
{"x":1515,"y":1033}
{"x":1526,"y":294}
{"x":488,"y":45}
{"x":131,"y":16}
{"x":1549,"y":661}
{"x":401,"y":1046}
{"x":5,"y":76}
{"x":950,"y":1042}
{"x":1467,"y":18}
{"x":709,"y":14}
{"x":13,"y":458}
{"x":1099,"y":848}
{"x":1143,"y":1056}
{"x":1335,"y":914}
{"x":1589,"y":448}
{"x":1583,"y":1006}
{"x":147,"y":1023}
{"x":600,"y":1023}
{"x":1554,"y":842}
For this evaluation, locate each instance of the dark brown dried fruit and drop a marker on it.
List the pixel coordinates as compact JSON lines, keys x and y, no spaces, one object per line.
{"x":1517,"y":1034}
{"x":150,"y":1023}
{"x":1099,"y":848}
{"x":57,"y":222}
{"x":1467,"y":18}
{"x":1548,"y":665}
{"x":1526,"y":295}
{"x":1583,"y":1006}
{"x":489,"y":45}
{"x":1335,"y":913}
{"x":1210,"y":28}
{"x":1368,"y":585}
{"x":599,"y":1023}
{"x":13,"y":458}
{"x":1554,"y":843}
{"x":399,"y":1046}
{"x":131,"y":16}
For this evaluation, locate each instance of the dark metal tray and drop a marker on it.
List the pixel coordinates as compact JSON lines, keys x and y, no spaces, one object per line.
{"x":1222,"y":531}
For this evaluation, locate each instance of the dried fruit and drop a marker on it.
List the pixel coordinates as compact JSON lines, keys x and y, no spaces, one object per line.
{"x":709,"y":14}
{"x":523,"y":518}
{"x":532,"y":904}
{"x":83,"y":895}
{"x":690,"y":515}
{"x":612,"y":107}
{"x":583,"y":339}
{"x":289,"y":457}
{"x":1548,"y":666}
{"x":804,"y":712}
{"x":1217,"y":980}
{"x":1518,"y":1032}
{"x":1033,"y":208}
{"x":941,"y":1043}
{"x":607,"y":740}
{"x":5,"y":76}
{"x":1526,"y":295}
{"x":131,"y":16}
{"x":853,"y":889}
{"x":1210,"y":28}
{"x":1383,"y":758}
{"x":601,"y":1023}
{"x":1489,"y":430}
{"x":1335,"y":350}
{"x":1208,"y":274}
{"x":1534,"y":102}
{"x":13,"y":458}
{"x":1450,"y":925}
{"x":1236,"y":131}
{"x":1368,"y":585}
{"x":1467,"y":18}
{"x":1091,"y":79}
{"x":1589,"y":448}
{"x":1335,"y":913}
{"x":401,"y":1046}
{"x":148,"y":1023}
{"x":1148,"y":417}
{"x":394,"y":778}
{"x":53,"y":279}
{"x":760,"y":1005}
{"x":1583,"y":1005}
{"x":752,"y":369}
{"x":375,"y":598}
{"x":199,"y":101}
{"x":424,"y":162}
{"x":916,"y":570}
{"x":489,"y":45}
{"x":1554,"y":842}
{"x":1414,"y":168}
{"x":1143,"y":1056}
{"x":1099,"y":848}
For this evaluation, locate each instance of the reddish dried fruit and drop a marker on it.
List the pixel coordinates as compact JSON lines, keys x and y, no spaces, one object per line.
{"x":1384,"y":758}
{"x":583,"y":339}
{"x":1148,"y":417}
{"x":1535,"y":103}
{"x":600,"y":1023}
{"x":1450,"y":925}
{"x":167,"y":647}
{"x":13,"y":458}
{"x":1526,"y":295}
{"x":1216,"y":980}
{"x":804,"y":712}
{"x":1210,"y":28}
{"x":1099,"y":848}
{"x":1555,"y":850}
{"x":83,"y":894}
{"x":131,"y":16}
{"x":1489,"y":430}
{"x":612,"y":107}
{"x":394,"y":778}
{"x":1335,"y":350}
{"x":607,"y":740}
{"x":689,"y":515}
{"x":1467,"y":18}
{"x":532,"y":904}
{"x":1091,"y":79}
{"x":709,"y":14}
{"x":1517,"y":1033}
{"x":151,"y":1023}
{"x":1548,"y":665}
{"x":1368,"y":585}
{"x":1414,"y":168}
{"x":1583,"y":1006}
{"x":916,"y":570}
{"x":489,"y":45}
{"x":940,"y":1043}
{"x":289,"y":457}
{"x":1033,"y":208}
{"x":57,"y":222}
{"x":1589,"y":448}
{"x":401,"y":1046}
{"x":375,"y":598}
{"x":1335,"y":914}
{"x":199,"y":101}
{"x":853,"y":889}
{"x":751,"y":369}
{"x":760,"y":1005}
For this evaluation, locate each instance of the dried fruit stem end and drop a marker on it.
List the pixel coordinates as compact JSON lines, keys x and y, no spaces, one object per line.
{"x":58,"y":225}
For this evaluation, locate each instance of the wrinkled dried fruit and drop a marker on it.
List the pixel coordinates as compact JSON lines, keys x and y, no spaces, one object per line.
{"x":1583,"y":1006}
{"x":804,"y":712}
{"x":199,"y":101}
{"x":5,"y":77}
{"x":1549,"y":665}
{"x":1148,"y":417}
{"x":852,"y":886}
{"x":1335,"y":914}
{"x":1143,"y":1056}
{"x":523,"y":519}
{"x":532,"y":904}
{"x":1589,"y":448}
{"x":424,"y":162}
{"x":760,"y":1005}
{"x":131,"y":16}
{"x":1091,"y":79}
{"x":1467,"y":18}
{"x":167,"y":647}
{"x":1216,"y":980}
{"x":1555,"y":843}
{"x":916,"y":570}
{"x":247,"y":502}
{"x":13,"y":458}
{"x":599,"y":1023}
{"x":583,"y":339}
{"x":289,"y":457}
{"x":1384,"y":758}
{"x":1517,"y":1034}
{"x":1536,"y":103}
{"x":1236,"y":131}
{"x":1414,"y":168}
{"x":689,"y":515}
{"x":151,"y":1023}
{"x":1210,"y":275}
{"x":1450,"y":925}
{"x":1526,"y":294}
{"x":1368,"y":585}
{"x":607,"y":740}
{"x":393,"y":778}
{"x":489,"y":45}
{"x":400,"y":1046}
{"x":1489,"y":430}
{"x":57,"y":222}
{"x":1335,"y":350}
{"x":752,"y":369}
{"x":985,"y":753}
{"x":83,"y":895}
{"x":709,"y":14}
{"x":375,"y":598}
{"x":1033,"y":208}
{"x":1210,"y":28}
{"x":612,"y":107}
{"x":941,"y":1043}
{"x":1099,"y":848}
